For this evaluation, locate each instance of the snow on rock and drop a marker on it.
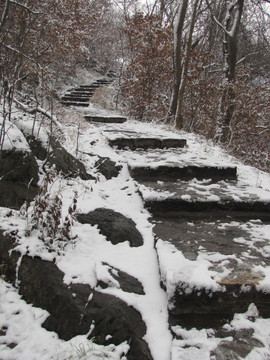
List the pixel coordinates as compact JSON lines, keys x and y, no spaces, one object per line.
{"x":22,"y":337}
{"x":13,"y":137}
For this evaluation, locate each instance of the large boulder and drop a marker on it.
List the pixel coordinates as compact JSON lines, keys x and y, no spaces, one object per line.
{"x":115,"y":226}
{"x":74,"y":308}
{"x":19,"y":178}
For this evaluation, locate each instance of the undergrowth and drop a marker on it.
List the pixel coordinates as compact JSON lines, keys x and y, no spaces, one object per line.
{"x":44,"y":215}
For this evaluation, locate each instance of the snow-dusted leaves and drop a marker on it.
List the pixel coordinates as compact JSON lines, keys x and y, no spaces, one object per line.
{"x":46,"y":215}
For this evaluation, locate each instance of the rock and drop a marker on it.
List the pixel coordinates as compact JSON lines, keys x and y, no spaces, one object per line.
{"x":18,"y":166}
{"x":60,"y":157}
{"x":115,"y":226}
{"x":74,"y":308}
{"x":14,"y":194}
{"x":108,"y":168}
{"x":19,"y":178}
{"x":128,"y":283}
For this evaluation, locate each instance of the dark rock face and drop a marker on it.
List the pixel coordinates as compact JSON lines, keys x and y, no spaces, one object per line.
{"x":73,"y":309}
{"x":202,"y":309}
{"x":14,"y":194}
{"x":172,"y":174}
{"x":18,"y":166}
{"x":108,"y":168}
{"x":60,"y":157}
{"x":19,"y":178}
{"x":147,"y":143}
{"x":115,"y":226}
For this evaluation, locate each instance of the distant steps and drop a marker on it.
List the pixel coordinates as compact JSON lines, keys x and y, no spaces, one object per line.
{"x":80,"y":96}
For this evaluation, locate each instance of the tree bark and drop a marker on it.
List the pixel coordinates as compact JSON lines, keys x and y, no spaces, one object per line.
{"x":177,"y":61}
{"x":185,"y":66}
{"x":226,"y":106}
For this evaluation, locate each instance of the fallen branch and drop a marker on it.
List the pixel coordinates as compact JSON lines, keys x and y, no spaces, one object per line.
{"x":39,"y":110}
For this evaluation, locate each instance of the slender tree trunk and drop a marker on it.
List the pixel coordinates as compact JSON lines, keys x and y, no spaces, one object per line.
{"x":226,"y":105}
{"x":177,"y":61}
{"x":185,"y":66}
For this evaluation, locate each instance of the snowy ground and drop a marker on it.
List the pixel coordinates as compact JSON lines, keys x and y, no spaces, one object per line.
{"x":21,"y":334}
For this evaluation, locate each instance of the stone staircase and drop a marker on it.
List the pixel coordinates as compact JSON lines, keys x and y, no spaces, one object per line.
{"x":209,"y":231}
{"x":80,"y":95}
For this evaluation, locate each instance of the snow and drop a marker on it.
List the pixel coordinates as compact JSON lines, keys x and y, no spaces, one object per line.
{"x":176,"y":269}
{"x":88,"y":259}
{"x":200,"y":344}
{"x":23,"y":338}
{"x":13,"y":138}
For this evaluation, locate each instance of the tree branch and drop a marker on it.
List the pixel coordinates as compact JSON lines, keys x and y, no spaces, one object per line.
{"x":40,"y":110}
{"x":24,"y":7}
{"x":4,"y":15}
{"x":215,"y":19}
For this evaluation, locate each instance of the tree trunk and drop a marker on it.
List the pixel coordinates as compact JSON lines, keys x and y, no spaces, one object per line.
{"x":227,"y":106}
{"x":177,"y":61}
{"x":185,"y":66}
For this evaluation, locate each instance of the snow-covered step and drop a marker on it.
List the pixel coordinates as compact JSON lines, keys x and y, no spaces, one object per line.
{"x":79,"y":96}
{"x":75,"y":98}
{"x":205,"y":199}
{"x":134,"y":143}
{"x":103,"y":81}
{"x":212,"y":269}
{"x":171,"y":174}
{"x":106,"y":119}
{"x":75,"y":103}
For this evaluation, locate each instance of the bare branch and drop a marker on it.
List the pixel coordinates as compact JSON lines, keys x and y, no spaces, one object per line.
{"x":4,"y":15}
{"x":215,"y":19}
{"x":24,"y":7}
{"x":20,"y":53}
{"x":40,"y":110}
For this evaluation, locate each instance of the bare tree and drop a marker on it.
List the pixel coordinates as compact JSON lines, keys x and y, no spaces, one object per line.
{"x":230,"y":28}
{"x":185,"y":66}
{"x":177,"y":61}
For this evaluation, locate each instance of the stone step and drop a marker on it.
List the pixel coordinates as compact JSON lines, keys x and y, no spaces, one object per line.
{"x":103,"y":81}
{"x":172,"y":173}
{"x":205,"y":199}
{"x":81,"y":94}
{"x":209,"y":209}
{"x":75,"y":103}
{"x":106,"y":119}
{"x":75,"y":98}
{"x":92,"y":87}
{"x":216,"y":273}
{"x":147,"y":143}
